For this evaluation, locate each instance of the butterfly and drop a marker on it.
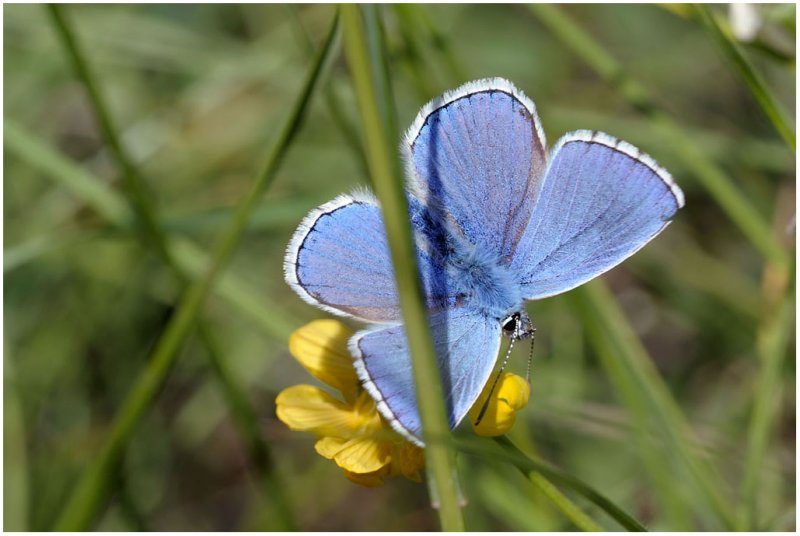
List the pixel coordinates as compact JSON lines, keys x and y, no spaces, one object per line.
{"x":497,"y":220}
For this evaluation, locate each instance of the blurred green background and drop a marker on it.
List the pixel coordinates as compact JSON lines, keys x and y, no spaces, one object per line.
{"x":197,"y":95}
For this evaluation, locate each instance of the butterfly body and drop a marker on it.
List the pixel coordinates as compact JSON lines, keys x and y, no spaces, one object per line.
{"x":497,"y":222}
{"x":478,"y":279}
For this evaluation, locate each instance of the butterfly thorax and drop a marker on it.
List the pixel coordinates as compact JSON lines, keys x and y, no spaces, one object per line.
{"x":483,"y":282}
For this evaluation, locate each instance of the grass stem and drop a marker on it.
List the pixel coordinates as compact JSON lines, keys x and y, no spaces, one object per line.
{"x":507,"y":451}
{"x":84,"y":502}
{"x":769,"y":103}
{"x":380,"y":144}
{"x":562,"y":502}
{"x":632,"y":370}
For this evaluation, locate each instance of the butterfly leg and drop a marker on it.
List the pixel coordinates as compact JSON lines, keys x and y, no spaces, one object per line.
{"x":517,"y":326}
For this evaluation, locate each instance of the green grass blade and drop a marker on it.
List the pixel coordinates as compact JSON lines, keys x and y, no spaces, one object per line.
{"x":772,"y":344}
{"x":155,"y":236}
{"x":247,"y":419}
{"x":15,"y":454}
{"x":85,"y":500}
{"x":634,"y":374}
{"x":27,"y":146}
{"x":665,"y":486}
{"x":414,"y":53}
{"x":191,"y":259}
{"x":381,"y":149}
{"x":562,"y":502}
{"x":422,"y":22}
{"x":379,"y":68}
{"x":194,"y":261}
{"x":332,"y":100}
{"x":769,"y":103}
{"x":710,"y":176}
{"x":135,"y":186}
{"x":509,"y":452}
{"x":17,"y":255}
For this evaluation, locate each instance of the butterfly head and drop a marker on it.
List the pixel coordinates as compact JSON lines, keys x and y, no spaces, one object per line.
{"x":518,"y":326}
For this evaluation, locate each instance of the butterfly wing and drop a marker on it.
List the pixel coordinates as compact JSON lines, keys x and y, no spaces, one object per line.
{"x":466,"y":344}
{"x":601,"y":200}
{"x":338,"y":260}
{"x":476,"y":155}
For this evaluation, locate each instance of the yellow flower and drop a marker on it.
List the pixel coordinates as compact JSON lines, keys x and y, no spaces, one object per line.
{"x":510,"y":395}
{"x":350,"y":432}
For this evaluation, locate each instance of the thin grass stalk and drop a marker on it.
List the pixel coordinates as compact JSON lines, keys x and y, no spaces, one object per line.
{"x":379,"y":64}
{"x":440,"y":42}
{"x":426,"y":44}
{"x":414,"y":53}
{"x":769,"y":103}
{"x":333,"y":103}
{"x":247,"y":420}
{"x":778,"y":50}
{"x":523,"y":438}
{"x":562,"y":502}
{"x":16,"y":507}
{"x":28,"y":147}
{"x":617,"y":345}
{"x":381,"y":155}
{"x":191,"y":259}
{"x":508,"y":452}
{"x":134,"y":185}
{"x":144,"y":208}
{"x":83,"y":504}
{"x":741,"y":212}
{"x":660,"y":473}
{"x":773,"y":342}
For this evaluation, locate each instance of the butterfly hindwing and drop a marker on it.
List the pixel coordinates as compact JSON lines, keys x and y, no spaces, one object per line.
{"x":466,"y":344}
{"x":601,"y":200}
{"x":338,"y":260}
{"x":475,"y":157}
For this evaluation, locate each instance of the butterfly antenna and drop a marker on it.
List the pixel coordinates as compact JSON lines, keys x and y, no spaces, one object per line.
{"x":485,"y":405}
{"x":530,"y":356}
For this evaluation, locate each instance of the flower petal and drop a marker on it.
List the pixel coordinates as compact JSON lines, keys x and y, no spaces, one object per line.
{"x":407,"y":460}
{"x":310,"y":409}
{"x":514,"y":390}
{"x":510,"y":395}
{"x":328,"y":447}
{"x":321,"y":347}
{"x":370,"y":480}
{"x":364,"y":455}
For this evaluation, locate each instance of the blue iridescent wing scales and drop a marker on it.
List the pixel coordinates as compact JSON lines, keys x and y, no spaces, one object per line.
{"x":466,"y":344}
{"x":601,"y":200}
{"x":338,"y":260}
{"x":475,"y":157}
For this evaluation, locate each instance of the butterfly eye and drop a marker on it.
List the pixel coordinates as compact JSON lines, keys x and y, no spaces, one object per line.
{"x":510,"y":325}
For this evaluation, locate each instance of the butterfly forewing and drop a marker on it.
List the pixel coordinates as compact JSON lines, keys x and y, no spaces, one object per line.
{"x":475,"y":157}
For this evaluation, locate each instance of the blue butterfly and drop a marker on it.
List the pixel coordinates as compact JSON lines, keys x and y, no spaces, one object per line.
{"x":497,"y":221}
